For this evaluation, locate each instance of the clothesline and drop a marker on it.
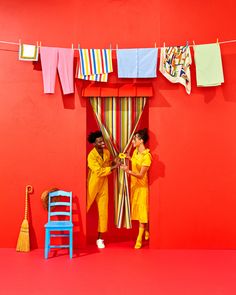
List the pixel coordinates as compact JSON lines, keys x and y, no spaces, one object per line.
{"x":96,"y":64}
{"x":159,"y":47}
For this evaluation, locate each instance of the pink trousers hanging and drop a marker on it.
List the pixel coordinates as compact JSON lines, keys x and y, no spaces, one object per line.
{"x":53,"y":58}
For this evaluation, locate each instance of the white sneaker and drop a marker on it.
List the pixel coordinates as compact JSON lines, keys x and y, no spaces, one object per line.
{"x":100,"y":244}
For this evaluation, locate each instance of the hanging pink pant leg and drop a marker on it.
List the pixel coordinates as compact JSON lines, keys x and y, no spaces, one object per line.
{"x":49,"y":59}
{"x":65,"y":69}
{"x":61,"y":58}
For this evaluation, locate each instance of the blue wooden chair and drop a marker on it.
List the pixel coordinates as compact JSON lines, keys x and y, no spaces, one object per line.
{"x":59,"y":220}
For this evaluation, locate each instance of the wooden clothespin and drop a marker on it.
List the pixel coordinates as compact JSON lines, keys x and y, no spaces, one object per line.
{"x":193,"y":42}
{"x":116,"y":46}
{"x":72,"y":46}
{"x":217,"y":41}
{"x":40,"y":44}
{"x":155,"y":45}
{"x":164,"y":45}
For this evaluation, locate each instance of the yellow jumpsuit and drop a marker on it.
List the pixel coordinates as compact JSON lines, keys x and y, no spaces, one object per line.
{"x":99,"y":169}
{"x":139,"y":187}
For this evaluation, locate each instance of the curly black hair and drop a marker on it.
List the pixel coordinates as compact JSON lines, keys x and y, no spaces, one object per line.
{"x":93,"y":135}
{"x":143,"y":134}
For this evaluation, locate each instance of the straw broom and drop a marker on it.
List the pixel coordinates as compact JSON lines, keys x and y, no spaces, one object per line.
{"x":23,"y":243}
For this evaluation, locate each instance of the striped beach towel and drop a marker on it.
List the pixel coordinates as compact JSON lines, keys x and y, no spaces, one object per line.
{"x":94,"y":64}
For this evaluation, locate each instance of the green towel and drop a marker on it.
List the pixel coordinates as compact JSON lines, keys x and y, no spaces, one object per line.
{"x":208,"y":62}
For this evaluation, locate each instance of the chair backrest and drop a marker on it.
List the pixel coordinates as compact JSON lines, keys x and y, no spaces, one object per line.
{"x":59,"y":204}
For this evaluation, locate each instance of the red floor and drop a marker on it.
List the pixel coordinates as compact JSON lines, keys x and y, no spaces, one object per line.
{"x":119,"y":269}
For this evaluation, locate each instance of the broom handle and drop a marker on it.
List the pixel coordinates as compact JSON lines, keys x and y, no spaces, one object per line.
{"x":28,"y":189}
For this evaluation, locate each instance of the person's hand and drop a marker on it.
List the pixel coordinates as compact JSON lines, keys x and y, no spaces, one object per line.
{"x":122,"y":156}
{"x":116,"y":160}
{"x":115,"y":165}
{"x":124,"y":167}
{"x":127,"y":156}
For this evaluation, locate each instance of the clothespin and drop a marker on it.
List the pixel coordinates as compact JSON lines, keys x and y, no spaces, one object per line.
{"x":40,"y":44}
{"x":155,"y":45}
{"x":116,"y":46}
{"x":193,"y":43}
{"x":37,"y":44}
{"x":72,"y":46}
{"x":217,"y":41}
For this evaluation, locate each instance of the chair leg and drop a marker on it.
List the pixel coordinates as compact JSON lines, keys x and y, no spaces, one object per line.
{"x":71,"y":243}
{"x":47,"y":242}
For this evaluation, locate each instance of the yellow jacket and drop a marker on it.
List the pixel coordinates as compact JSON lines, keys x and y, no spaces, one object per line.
{"x":99,"y":169}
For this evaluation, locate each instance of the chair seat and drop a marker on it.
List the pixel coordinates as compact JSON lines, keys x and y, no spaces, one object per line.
{"x":59,"y":224}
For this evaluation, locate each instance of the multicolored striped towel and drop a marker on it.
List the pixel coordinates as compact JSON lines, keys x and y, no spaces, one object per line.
{"x":94,"y":64}
{"x":28,"y":52}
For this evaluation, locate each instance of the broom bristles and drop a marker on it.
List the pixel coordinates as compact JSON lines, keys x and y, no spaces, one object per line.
{"x":23,"y":243}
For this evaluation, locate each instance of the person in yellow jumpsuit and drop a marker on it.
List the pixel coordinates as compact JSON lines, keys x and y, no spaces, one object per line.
{"x":100,"y":166}
{"x":141,"y":161}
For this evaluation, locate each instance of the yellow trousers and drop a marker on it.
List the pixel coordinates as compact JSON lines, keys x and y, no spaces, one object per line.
{"x":99,"y":169}
{"x":99,"y":193}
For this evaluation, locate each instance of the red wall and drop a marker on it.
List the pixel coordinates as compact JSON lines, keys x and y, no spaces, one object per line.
{"x":43,"y":137}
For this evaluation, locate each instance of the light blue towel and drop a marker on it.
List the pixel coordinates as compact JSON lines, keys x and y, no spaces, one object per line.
{"x":137,"y":63}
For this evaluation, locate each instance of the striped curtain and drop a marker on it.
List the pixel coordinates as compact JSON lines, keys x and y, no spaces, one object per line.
{"x":118,"y":119}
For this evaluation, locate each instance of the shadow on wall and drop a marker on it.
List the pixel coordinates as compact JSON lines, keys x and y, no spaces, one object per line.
{"x":229,"y":86}
{"x":161,"y":84}
{"x":78,"y":233}
{"x":33,"y":238}
{"x":157,"y":169}
{"x":68,"y":99}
